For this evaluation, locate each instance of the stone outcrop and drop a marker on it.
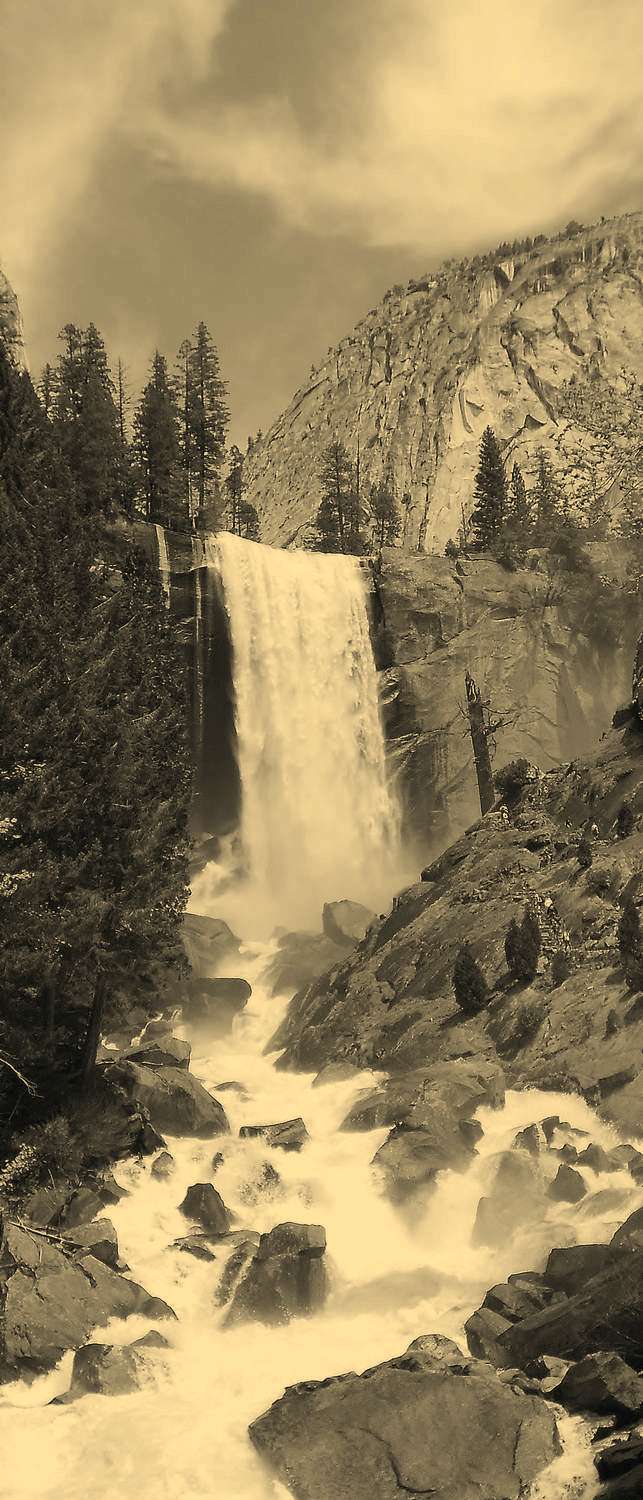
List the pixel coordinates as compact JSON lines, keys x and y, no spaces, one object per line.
{"x":390,"y":1005}
{"x":289,"y":1135}
{"x":176,"y":1101}
{"x":431,"y":1422}
{"x":205,"y":1206}
{"x":213,"y":1004}
{"x":11,"y":330}
{"x":51,"y":1300}
{"x":485,"y":342}
{"x":346,"y":922}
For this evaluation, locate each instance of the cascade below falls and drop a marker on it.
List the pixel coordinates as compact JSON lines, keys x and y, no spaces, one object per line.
{"x":183,"y":1436}
{"x":319,"y":817}
{"x":319,"y":822}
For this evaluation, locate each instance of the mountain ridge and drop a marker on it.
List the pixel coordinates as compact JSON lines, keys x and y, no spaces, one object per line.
{"x":493,"y":340}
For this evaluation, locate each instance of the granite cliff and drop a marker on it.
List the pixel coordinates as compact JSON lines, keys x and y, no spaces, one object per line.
{"x":490,"y":341}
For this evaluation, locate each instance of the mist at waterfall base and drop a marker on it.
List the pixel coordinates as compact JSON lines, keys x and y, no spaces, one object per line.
{"x":183,"y":1436}
{"x":319,"y":814}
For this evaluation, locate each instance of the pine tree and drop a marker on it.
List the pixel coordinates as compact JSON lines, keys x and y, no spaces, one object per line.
{"x":208,"y":416}
{"x":156,"y":439}
{"x":234,"y":488}
{"x":546,"y":497}
{"x":85,"y":418}
{"x":385,"y":514}
{"x":338,"y":520}
{"x":469,"y":984}
{"x":489,"y":512}
{"x":630,"y":944}
{"x":522,"y":948}
{"x":585,"y":852}
{"x":249,"y":522}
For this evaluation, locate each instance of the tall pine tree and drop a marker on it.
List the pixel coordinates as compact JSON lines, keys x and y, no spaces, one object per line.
{"x":207,"y":419}
{"x":85,"y":419}
{"x":158,"y":451}
{"x":490,"y":491}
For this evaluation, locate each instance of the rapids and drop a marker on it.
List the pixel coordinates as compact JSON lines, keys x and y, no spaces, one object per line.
{"x":183,"y":1436}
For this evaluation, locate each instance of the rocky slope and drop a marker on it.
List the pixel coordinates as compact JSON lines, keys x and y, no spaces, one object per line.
{"x":489,"y":341}
{"x":11,"y":331}
{"x":391,"y":1005}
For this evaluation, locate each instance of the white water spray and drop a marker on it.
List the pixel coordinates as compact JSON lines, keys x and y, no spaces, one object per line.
{"x":319,"y":818}
{"x":164,"y":563}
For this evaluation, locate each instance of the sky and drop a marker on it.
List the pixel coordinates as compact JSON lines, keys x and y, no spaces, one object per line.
{"x":273,"y":166}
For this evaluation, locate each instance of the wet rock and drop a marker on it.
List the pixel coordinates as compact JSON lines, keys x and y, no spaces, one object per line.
{"x":151,"y":1340}
{"x":166,"y":1052}
{"x":552,"y":1123}
{"x":213,"y":1004}
{"x":300,"y":958}
{"x":515,"y":1193}
{"x":519,"y":1298}
{"x":483,"y":1329}
{"x":570,"y":1267}
{"x":99,"y":1238}
{"x":285,"y":1278}
{"x":196,"y":1245}
{"x":176,"y":1101}
{"x":205,"y":1206}
{"x":595,"y":1157}
{"x":289,"y":1135}
{"x":452,"y":1090}
{"x":410,"y":1426}
{"x":237,"y":1262}
{"x":435,"y":1349}
{"x":530,"y":1139}
{"x":605,"y":1314}
{"x":567,"y":1187}
{"x":346,"y":922}
{"x":621,"y":1458}
{"x":163,"y":1166}
{"x":50,"y":1301}
{"x":630,"y":1233}
{"x":601,"y":1382}
{"x":107,"y":1370}
{"x":629,"y":1158}
{"x":207,"y":942}
{"x":217,"y":1161}
{"x":335,"y":1072}
{"x":411,"y":1159}
{"x":89,"y":1200}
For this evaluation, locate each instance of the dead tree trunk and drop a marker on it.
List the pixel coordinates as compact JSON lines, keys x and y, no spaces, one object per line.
{"x":482,"y":757}
{"x":92,"y":1037}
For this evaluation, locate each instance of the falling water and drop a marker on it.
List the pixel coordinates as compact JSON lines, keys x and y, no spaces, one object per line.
{"x":164,"y":563}
{"x":319,"y":818}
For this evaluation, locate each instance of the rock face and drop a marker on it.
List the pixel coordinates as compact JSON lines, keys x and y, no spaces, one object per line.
{"x":346,"y":922}
{"x":213,"y":1004}
{"x":206,"y":1207}
{"x":428,"y":1423}
{"x":391,"y":1005}
{"x":51,"y":1301}
{"x":285,"y":1278}
{"x":11,"y":331}
{"x":489,"y":342}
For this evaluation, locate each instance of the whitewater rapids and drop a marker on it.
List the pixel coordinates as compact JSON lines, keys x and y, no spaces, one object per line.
{"x":184,"y":1435}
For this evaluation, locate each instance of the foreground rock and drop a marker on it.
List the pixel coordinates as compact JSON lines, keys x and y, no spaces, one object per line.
{"x":346,"y":922}
{"x":50,"y":1301}
{"x":290,"y":1135}
{"x":300,"y":957}
{"x":429,"y":1423}
{"x":601,"y":1383}
{"x":165,"y":1051}
{"x":208,"y":942}
{"x":175,"y":1101}
{"x":284,"y":1279}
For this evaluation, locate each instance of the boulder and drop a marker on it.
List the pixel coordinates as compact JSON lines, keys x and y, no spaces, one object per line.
{"x":243,"y":1252}
{"x":570,"y":1267}
{"x":483,"y":1329}
{"x":630,"y":1233}
{"x":601,"y":1382}
{"x":166,"y":1052}
{"x":530,"y":1139}
{"x":335,"y":1072}
{"x":299,"y":958}
{"x":454,"y":1090}
{"x":99,"y":1238}
{"x":621,"y":1458}
{"x":163,"y":1166}
{"x":519,"y":1298}
{"x":285,"y":1278}
{"x":515,"y":1192}
{"x":88,"y":1200}
{"x":204,"y":1205}
{"x":411,"y":1159}
{"x":597,"y":1158}
{"x":346,"y":922}
{"x":50,"y":1301}
{"x":176,"y":1101}
{"x":107,"y":1370}
{"x":196,"y":1245}
{"x":207,"y":942}
{"x":213,"y":1004}
{"x":417,"y":1425}
{"x":567,"y":1187}
{"x":605,"y":1314}
{"x":289,"y":1135}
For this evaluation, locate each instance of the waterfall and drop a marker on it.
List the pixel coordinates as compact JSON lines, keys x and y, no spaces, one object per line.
{"x":319,"y":818}
{"x":164,"y":562}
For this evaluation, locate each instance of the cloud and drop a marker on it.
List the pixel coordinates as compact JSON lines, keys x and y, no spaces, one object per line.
{"x":458,"y":121}
{"x":75,"y":72}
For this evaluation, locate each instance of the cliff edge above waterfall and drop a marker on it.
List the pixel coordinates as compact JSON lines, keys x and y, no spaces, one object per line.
{"x":489,"y":341}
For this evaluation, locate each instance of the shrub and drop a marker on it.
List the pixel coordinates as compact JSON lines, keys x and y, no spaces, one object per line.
{"x":584,"y":853}
{"x":469,"y":984}
{"x":630,"y":945}
{"x":561,"y":967}
{"x":55,"y":1145}
{"x":451,"y":550}
{"x":511,"y":779}
{"x":625,"y":820}
{"x":522,"y":948}
{"x":604,"y":880}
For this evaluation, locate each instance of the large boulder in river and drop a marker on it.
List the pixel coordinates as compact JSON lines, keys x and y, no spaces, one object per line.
{"x":174,"y":1099}
{"x":346,"y":922}
{"x":289,"y":1135}
{"x":606,"y":1313}
{"x":299,"y":958}
{"x":417,"y":1425}
{"x":207,"y":942}
{"x":49,"y":1302}
{"x":214,"y":1004}
{"x":285,"y":1278}
{"x":165,"y":1051}
{"x":601,"y":1382}
{"x":107,"y":1370}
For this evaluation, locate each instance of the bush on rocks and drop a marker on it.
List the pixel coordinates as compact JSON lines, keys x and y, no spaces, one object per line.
{"x":522,"y":948}
{"x":469,"y":984}
{"x":630,"y":944}
{"x":512,"y":779}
